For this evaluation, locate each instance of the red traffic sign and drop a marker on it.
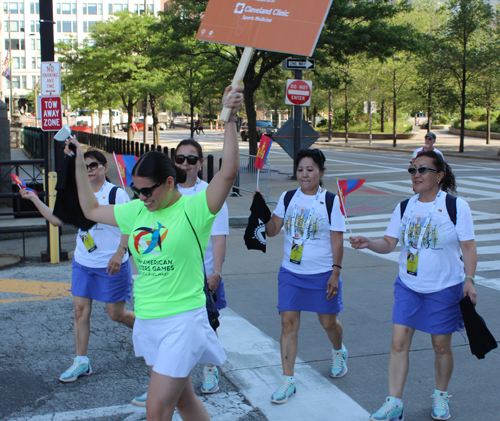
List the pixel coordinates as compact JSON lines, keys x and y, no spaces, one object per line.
{"x":51,"y":113}
{"x":298,"y":92}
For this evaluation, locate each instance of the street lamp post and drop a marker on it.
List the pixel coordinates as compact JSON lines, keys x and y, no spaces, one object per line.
{"x":370,"y":111}
{"x":11,"y":99}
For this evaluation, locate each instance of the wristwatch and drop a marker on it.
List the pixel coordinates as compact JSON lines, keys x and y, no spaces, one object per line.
{"x":217,"y":273}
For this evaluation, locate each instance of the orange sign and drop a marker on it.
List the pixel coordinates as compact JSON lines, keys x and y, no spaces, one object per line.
{"x":286,"y":26}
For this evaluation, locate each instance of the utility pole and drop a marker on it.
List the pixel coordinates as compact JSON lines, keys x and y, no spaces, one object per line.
{"x":11,"y":99}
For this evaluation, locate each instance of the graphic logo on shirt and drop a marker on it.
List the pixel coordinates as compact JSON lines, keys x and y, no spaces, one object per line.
{"x":431,"y":239}
{"x":147,"y":246}
{"x":315,"y":226}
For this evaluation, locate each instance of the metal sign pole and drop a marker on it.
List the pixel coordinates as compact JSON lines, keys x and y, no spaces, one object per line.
{"x":297,"y":130}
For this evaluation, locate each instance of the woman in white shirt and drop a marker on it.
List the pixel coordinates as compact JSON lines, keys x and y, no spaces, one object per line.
{"x":432,"y":278}
{"x":309,"y":276}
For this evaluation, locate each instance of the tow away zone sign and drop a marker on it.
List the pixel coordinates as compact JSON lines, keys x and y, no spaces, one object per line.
{"x":51,"y":113}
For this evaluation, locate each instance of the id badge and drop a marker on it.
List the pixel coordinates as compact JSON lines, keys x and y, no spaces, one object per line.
{"x":88,"y":241}
{"x":412,"y":264}
{"x":296,"y":254}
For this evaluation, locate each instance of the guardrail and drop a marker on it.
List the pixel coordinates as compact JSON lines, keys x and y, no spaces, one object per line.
{"x":246,"y":180}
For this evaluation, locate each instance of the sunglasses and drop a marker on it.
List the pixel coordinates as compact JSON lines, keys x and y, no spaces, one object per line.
{"x":145,"y":191}
{"x":191,"y":159}
{"x":93,"y":165}
{"x":420,"y":170}
{"x":310,"y":152}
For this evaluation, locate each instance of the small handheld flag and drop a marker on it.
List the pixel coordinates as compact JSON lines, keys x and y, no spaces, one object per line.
{"x":20,"y":182}
{"x":124,"y":165}
{"x":344,"y":188}
{"x":262,"y":152}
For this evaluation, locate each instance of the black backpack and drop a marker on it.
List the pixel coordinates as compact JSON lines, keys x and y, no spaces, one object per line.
{"x":451,"y":207}
{"x":330,"y":197}
{"x":112,"y":195}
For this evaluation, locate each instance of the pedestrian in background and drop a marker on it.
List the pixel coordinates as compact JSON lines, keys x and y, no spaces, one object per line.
{"x":171,"y":331}
{"x":433,"y":277}
{"x":309,"y":276}
{"x":101,"y":267}
{"x":430,"y":140}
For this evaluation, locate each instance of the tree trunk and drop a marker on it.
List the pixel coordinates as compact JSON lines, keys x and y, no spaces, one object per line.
{"x":130,"y":113}
{"x":382,"y":110}
{"x":488,"y":124}
{"x":191,"y":110}
{"x":154,"y":113}
{"x":429,"y":109}
{"x":346,"y":115}
{"x":394,"y":111}
{"x":110,"y":111}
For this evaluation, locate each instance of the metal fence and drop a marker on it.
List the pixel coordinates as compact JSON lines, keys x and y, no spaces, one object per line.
{"x":32,"y":141}
{"x":246,"y":180}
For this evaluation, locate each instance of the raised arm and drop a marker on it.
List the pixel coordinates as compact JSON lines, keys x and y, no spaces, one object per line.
{"x":221,"y":184}
{"x":88,"y":202}
{"x":382,"y":246}
{"x":42,"y":207}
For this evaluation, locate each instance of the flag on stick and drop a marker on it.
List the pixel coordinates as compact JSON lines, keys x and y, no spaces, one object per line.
{"x":20,"y":182}
{"x":263,"y":151}
{"x":124,"y":165}
{"x":344,"y":188}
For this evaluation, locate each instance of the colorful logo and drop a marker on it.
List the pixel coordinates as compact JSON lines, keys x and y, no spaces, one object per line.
{"x":156,"y":239}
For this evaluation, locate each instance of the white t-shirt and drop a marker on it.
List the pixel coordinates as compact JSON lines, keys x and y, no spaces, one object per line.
{"x":439,"y":264}
{"x":420,"y":150}
{"x":221,"y":223}
{"x":105,"y":237}
{"x":317,"y":254}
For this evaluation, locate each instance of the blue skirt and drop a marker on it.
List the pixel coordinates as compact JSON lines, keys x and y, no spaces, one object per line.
{"x":437,"y":313}
{"x":300,"y":292}
{"x":96,"y":284}
{"x":220,"y":293}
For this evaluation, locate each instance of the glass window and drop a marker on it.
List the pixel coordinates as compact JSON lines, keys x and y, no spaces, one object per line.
{"x":22,"y":45}
{"x":99,"y":8}
{"x":38,"y":62}
{"x":34,"y":26}
{"x":15,"y":62}
{"x":15,"y":82}
{"x":92,"y":9}
{"x":8,"y":84}
{"x":66,"y":8}
{"x":151,"y":8}
{"x":110,"y":8}
{"x":84,"y":8}
{"x":34,"y":8}
{"x":84,"y":26}
{"x":21,"y":25}
{"x":5,"y":7}
{"x":14,"y":44}
{"x":21,"y":8}
{"x":58,"y":26}
{"x":23,"y":82}
{"x":125,"y":6}
{"x":14,"y":26}
{"x":118,"y":7}
{"x":33,"y":63}
{"x":33,"y":44}
{"x":13,"y":7}
{"x":33,"y":81}
{"x":23,"y":64}
{"x":6,"y":26}
{"x":66,"y":26}
{"x":74,"y":8}
{"x":58,"y":8}
{"x":74,"y":26}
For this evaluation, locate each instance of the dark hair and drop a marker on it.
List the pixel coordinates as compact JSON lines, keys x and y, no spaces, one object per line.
{"x":431,"y":135}
{"x":448,"y":183}
{"x":199,"y":150}
{"x":315,"y":154}
{"x":158,"y":167}
{"x":98,"y":156}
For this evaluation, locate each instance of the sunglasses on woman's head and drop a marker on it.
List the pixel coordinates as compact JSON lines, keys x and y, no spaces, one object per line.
{"x":420,"y":170}
{"x":145,"y":191}
{"x":93,"y":165}
{"x":191,"y":159}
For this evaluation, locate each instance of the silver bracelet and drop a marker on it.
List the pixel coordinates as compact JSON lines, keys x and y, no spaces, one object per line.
{"x":218,"y":273}
{"x":233,"y":120}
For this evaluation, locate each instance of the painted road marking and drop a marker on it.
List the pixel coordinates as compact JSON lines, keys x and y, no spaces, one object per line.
{"x":33,"y":290}
{"x":224,"y":406}
{"x":254,"y":366}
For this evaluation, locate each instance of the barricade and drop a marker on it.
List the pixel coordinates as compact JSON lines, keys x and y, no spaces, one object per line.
{"x":246,"y":180}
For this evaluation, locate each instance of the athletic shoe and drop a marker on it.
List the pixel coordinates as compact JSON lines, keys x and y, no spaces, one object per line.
{"x":339,"y":362}
{"x":210,"y":380}
{"x":440,"y":406}
{"x":285,"y":390}
{"x":140,"y":400}
{"x":389,"y":411}
{"x":76,"y":370}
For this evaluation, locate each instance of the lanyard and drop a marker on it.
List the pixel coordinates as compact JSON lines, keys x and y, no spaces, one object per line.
{"x":198,"y":181}
{"x":309,"y":218}
{"x":426,"y":224}
{"x":104,"y":185}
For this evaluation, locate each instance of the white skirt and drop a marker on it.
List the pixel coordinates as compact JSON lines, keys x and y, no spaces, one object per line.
{"x":174,"y":345}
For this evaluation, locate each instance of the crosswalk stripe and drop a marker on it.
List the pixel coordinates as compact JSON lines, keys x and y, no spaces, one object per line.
{"x":488,"y":250}
{"x":479,"y":184}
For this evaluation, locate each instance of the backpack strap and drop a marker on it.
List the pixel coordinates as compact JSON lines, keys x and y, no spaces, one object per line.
{"x":402,"y":207}
{"x":451,"y":207}
{"x":330,"y":197}
{"x":112,"y":195}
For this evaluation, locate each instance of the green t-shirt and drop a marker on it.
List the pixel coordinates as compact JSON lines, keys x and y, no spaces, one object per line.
{"x":167,"y":255}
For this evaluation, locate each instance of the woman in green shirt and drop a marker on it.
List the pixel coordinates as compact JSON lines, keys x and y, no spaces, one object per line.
{"x":171,"y":330}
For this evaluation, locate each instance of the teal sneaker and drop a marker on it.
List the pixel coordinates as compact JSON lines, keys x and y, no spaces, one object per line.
{"x":140,"y":400}
{"x":440,"y":406}
{"x":285,"y":390}
{"x":339,"y":363}
{"x":389,"y":411}
{"x":210,"y":380}
{"x":76,"y":370}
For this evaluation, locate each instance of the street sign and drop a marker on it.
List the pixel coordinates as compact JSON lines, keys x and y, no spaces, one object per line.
{"x":52,"y":119}
{"x":50,"y":80}
{"x":298,"y":92}
{"x":366,"y":107}
{"x":274,"y":25}
{"x":297,"y":64}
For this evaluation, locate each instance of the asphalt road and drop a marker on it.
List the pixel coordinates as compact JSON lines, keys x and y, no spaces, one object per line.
{"x":36,"y":320}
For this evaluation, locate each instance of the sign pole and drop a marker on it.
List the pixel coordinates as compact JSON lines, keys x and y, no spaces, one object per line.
{"x":297,"y":130}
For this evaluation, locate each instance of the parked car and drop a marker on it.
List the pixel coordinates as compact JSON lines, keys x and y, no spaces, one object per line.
{"x":140,"y":121}
{"x":263,"y":127}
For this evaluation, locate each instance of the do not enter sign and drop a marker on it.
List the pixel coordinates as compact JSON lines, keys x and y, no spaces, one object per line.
{"x":51,"y":113}
{"x":298,"y":92}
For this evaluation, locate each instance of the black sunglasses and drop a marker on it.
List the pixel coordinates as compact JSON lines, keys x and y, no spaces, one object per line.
{"x":309,"y":152}
{"x":191,"y":159}
{"x":93,"y":165}
{"x":421,"y":170}
{"x":145,"y":191}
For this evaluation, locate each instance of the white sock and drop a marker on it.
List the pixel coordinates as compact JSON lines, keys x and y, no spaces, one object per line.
{"x":290,"y":379}
{"x":82,"y":359}
{"x":398,"y":401}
